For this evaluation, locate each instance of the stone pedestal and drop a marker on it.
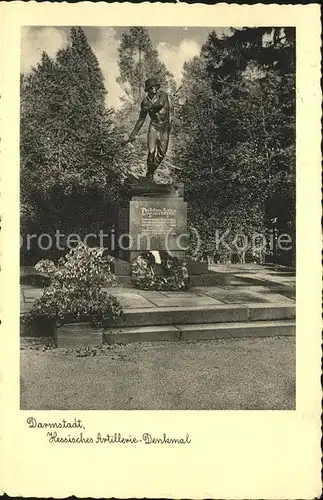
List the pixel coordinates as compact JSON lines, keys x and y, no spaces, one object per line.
{"x":158,"y":223}
{"x":154,"y":218}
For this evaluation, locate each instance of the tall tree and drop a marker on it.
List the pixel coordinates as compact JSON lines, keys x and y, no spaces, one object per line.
{"x":138,"y":60}
{"x":71,"y":154}
{"x":236,"y":136}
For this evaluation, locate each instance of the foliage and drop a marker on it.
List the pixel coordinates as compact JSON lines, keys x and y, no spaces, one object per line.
{"x":175,"y":275}
{"x":230,"y":235}
{"x":46,"y":266}
{"x":72,"y":160}
{"x":138,"y":61}
{"x":235,"y":134}
{"x":76,"y":291}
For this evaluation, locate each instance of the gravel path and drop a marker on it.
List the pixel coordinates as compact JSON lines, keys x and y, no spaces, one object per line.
{"x":235,"y":374}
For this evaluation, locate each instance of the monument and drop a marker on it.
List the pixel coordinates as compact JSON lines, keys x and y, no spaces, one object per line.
{"x":158,"y":220}
{"x":154,"y":216}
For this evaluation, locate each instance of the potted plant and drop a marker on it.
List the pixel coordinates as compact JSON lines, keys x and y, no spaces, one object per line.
{"x":77,"y":302}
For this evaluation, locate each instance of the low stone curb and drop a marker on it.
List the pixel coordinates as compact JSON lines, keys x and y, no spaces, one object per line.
{"x":199,"y":331}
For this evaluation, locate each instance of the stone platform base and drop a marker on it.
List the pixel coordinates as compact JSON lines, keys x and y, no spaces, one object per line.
{"x":255,"y":303}
{"x":197,"y":331}
{"x":202,"y":322}
{"x":203,"y":314}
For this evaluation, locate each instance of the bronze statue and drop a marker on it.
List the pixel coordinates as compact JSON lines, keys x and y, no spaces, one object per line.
{"x":156,"y":104}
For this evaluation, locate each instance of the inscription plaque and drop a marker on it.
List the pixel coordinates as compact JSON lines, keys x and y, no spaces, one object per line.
{"x":155,"y":221}
{"x":158,"y":223}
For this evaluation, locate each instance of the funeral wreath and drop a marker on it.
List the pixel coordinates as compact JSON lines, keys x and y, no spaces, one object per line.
{"x":174,"y":273}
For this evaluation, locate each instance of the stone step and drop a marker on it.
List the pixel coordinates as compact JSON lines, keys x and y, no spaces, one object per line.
{"x":168,"y":318}
{"x":199,"y":331}
{"x":205,"y":314}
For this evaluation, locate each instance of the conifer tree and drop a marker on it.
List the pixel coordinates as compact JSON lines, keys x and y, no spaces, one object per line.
{"x":236,"y":137}
{"x":138,"y":60}
{"x":72,"y":161}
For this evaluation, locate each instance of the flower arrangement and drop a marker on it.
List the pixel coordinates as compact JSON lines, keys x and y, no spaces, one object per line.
{"x":175,"y":275}
{"x":142,"y":272}
{"x":77,"y":289}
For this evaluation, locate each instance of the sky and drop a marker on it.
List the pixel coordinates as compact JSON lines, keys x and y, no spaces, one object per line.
{"x":175,"y":45}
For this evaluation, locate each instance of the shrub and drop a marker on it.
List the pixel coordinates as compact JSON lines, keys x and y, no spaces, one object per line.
{"x":76,"y":291}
